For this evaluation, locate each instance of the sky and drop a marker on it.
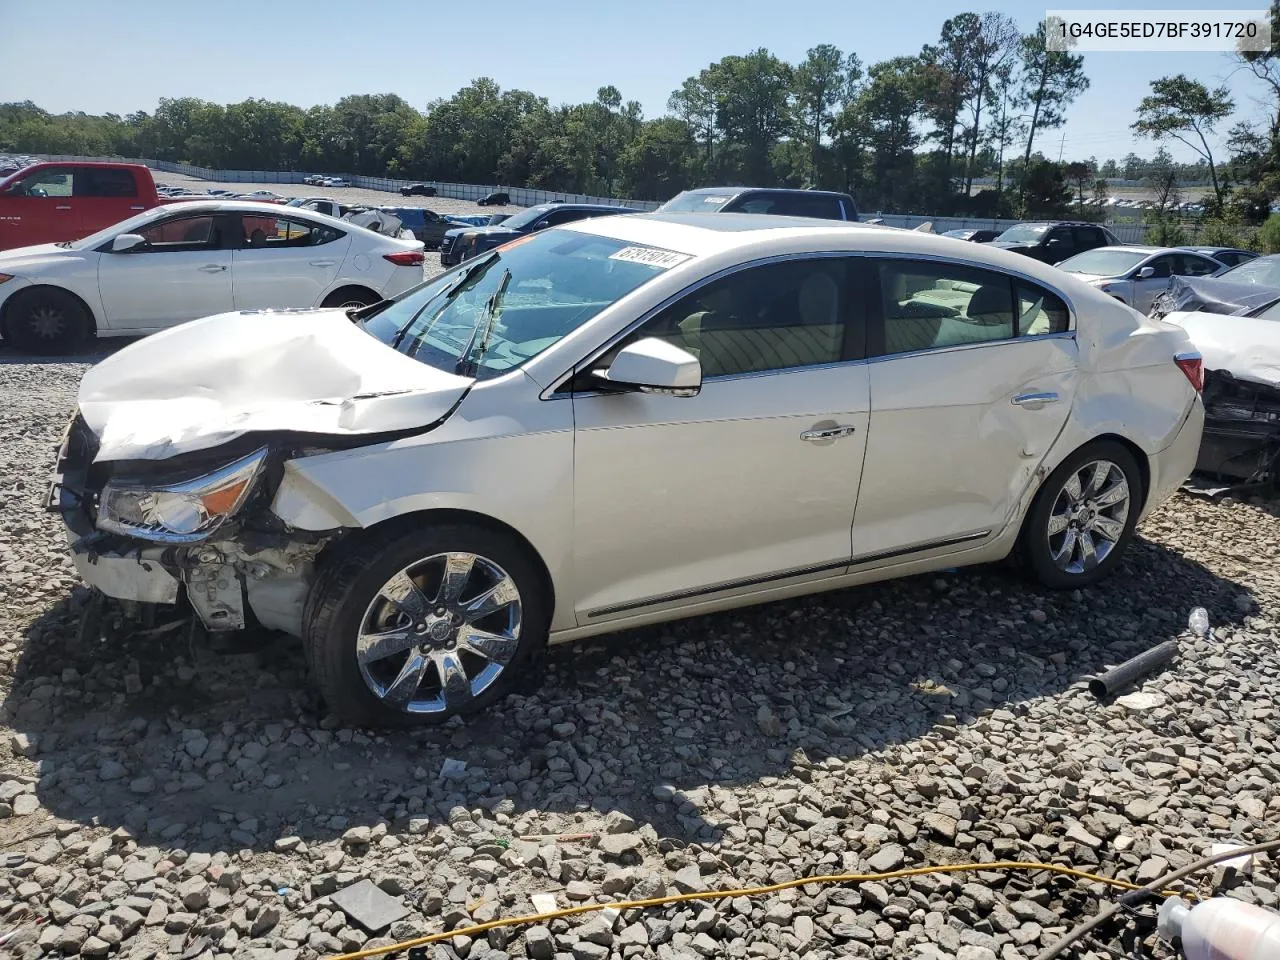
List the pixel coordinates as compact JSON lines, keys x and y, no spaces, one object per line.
{"x":123,"y":57}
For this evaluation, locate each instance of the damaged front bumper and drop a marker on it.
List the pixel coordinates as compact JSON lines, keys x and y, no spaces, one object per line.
{"x":237,"y":577}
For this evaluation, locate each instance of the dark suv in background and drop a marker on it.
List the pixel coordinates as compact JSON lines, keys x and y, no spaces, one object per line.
{"x":1054,"y":241}
{"x":785,"y":203}
{"x":465,"y":242}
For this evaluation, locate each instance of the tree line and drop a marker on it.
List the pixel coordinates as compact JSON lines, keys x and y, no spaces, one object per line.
{"x":908,"y":135}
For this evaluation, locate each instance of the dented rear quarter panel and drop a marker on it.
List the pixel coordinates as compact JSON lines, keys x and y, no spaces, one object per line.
{"x":1129,"y":385}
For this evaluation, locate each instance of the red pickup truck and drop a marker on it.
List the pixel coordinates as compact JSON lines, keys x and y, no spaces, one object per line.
{"x":55,"y":201}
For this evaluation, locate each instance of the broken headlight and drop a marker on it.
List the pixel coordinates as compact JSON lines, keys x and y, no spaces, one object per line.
{"x":179,"y":512}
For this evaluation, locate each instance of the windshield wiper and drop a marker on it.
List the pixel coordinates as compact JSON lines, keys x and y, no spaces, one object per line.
{"x":493,"y":309}
{"x":64,"y":244}
{"x":458,"y":281}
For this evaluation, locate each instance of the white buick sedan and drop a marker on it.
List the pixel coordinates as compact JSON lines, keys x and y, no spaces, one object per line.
{"x":615,"y":423}
{"x":191,"y":259}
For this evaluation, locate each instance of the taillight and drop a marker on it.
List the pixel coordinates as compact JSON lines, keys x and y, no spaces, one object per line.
{"x":1191,"y":365}
{"x":410,"y":258}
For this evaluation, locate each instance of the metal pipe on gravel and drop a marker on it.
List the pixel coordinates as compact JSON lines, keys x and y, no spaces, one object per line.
{"x":1118,"y":677}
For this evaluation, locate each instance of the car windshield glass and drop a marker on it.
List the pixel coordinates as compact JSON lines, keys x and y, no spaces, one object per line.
{"x":1264,"y":271}
{"x":132,"y":225}
{"x":494,"y":313}
{"x":525,"y":217}
{"x":959,"y":234}
{"x":696,"y":202}
{"x":1024,"y":233}
{"x":296,"y":202}
{"x":1103,"y":263}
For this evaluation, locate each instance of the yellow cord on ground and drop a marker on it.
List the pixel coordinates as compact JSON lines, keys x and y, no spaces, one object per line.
{"x":479,"y":928}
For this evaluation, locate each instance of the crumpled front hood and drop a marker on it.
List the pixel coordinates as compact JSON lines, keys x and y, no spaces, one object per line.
{"x":209,"y":381}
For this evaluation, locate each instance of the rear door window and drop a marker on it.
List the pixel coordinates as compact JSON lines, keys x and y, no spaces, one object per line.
{"x":801,"y":205}
{"x":105,"y":182}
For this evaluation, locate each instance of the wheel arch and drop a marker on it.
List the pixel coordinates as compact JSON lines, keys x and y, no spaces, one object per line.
{"x":1138,"y":454}
{"x":349,"y":288}
{"x":7,"y":307}
{"x":441,"y":515}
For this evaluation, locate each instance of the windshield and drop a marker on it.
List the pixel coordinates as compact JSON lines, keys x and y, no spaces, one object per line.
{"x":1024,"y":233}
{"x":1103,"y":263}
{"x":132,"y":225}
{"x":493,"y":313}
{"x":959,"y":234}
{"x":296,"y":202}
{"x":688,"y":202}
{"x":1264,"y":271}
{"x":525,"y":217}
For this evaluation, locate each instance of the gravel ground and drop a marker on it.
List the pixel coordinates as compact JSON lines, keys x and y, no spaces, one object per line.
{"x":170,"y":801}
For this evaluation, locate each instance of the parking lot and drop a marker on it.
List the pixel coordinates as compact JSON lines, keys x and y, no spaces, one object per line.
{"x":169,"y":800}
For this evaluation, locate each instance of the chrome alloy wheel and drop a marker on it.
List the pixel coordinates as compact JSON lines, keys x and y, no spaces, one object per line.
{"x":1088,"y":516}
{"x":439,"y":633}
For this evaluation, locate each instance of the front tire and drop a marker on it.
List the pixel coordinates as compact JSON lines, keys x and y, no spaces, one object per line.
{"x":46,"y":320}
{"x":1082,"y":519}
{"x":413,"y":628}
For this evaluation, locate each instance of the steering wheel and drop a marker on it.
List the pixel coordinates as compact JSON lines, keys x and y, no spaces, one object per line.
{"x":37,"y":192}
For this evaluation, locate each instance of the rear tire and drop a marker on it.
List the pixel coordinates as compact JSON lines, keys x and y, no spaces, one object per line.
{"x":46,"y":320}
{"x":393,"y":588}
{"x":1083,"y":517}
{"x":349,"y":297}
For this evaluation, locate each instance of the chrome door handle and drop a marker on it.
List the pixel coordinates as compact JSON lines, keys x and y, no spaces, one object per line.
{"x":63,"y":206}
{"x":212,"y":268}
{"x":1034,"y":401}
{"x":827,"y":433}
{"x":323,"y":263}
{"x":138,"y":207}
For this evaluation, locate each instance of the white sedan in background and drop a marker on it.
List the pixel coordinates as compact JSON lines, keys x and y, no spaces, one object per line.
{"x":182,"y":261}
{"x":1137,"y":275}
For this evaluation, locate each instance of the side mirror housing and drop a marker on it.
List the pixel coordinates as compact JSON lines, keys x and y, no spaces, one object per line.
{"x":655,"y":366}
{"x":1053,"y":242}
{"x":1146,"y":272}
{"x":126,"y":242}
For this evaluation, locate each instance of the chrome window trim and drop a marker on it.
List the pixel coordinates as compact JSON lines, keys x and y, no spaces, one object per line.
{"x":1069,"y":334}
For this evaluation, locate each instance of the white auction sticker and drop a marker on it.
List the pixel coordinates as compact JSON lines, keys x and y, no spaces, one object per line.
{"x":651,"y":256}
{"x":1173,"y":31}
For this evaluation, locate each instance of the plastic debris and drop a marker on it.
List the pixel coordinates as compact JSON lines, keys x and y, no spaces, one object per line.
{"x":1242,"y":864}
{"x":368,"y":905}
{"x":1198,"y":622}
{"x":544,"y":902}
{"x":452,"y":769}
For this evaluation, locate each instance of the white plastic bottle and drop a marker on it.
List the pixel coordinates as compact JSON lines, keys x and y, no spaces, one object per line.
{"x":1221,"y":929}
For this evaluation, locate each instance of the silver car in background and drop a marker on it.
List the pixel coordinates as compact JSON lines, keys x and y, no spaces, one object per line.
{"x":1137,"y":275}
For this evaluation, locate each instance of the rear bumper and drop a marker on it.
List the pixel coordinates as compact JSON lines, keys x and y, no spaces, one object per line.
{"x":1170,"y":467}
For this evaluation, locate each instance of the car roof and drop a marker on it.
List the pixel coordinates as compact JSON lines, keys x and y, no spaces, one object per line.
{"x":705,"y":234}
{"x":736,"y":191}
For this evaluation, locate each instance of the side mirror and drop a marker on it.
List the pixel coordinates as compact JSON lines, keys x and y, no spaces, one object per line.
{"x":655,"y":366}
{"x":1053,"y":242}
{"x":126,"y":242}
{"x":1146,"y":272}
